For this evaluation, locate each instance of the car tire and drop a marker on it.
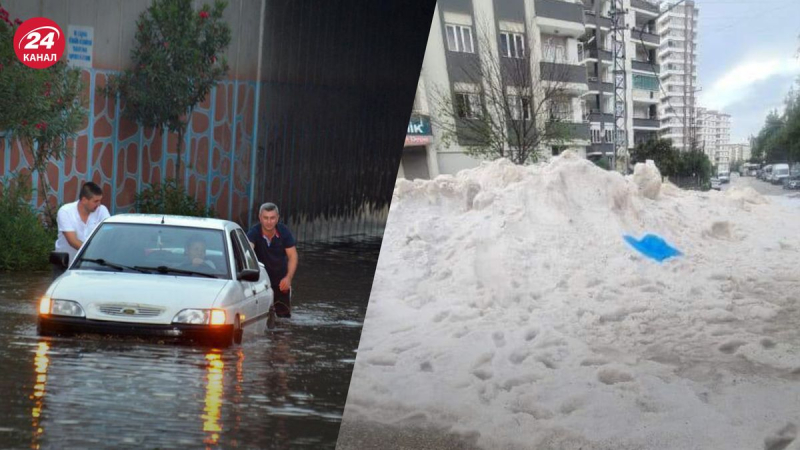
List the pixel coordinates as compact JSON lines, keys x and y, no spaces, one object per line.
{"x":238,"y":332}
{"x":271,"y":318}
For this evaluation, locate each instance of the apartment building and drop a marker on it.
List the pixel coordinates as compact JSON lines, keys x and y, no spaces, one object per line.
{"x":738,"y":152}
{"x":565,"y":41}
{"x":713,"y":131}
{"x":677,"y":57}
{"x":641,"y":71}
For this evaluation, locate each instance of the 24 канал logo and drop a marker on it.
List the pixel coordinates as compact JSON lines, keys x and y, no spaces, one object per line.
{"x":39,"y":43}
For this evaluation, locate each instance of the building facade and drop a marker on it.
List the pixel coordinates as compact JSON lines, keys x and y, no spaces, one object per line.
{"x":738,"y":152}
{"x":572,"y":39}
{"x":677,"y":56}
{"x":713,"y":131}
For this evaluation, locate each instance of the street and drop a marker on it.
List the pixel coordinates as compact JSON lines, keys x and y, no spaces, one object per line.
{"x":762,"y":187}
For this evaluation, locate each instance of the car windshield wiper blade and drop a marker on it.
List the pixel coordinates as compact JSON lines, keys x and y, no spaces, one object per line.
{"x":166,"y":269}
{"x":119,"y":267}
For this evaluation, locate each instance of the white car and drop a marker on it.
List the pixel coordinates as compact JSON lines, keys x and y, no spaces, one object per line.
{"x":170,"y":276}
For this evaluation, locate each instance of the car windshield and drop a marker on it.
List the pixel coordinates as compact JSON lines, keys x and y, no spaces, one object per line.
{"x":782,"y":172}
{"x":156,"y":249}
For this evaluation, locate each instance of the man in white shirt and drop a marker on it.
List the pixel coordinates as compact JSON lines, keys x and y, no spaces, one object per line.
{"x":78,"y":219}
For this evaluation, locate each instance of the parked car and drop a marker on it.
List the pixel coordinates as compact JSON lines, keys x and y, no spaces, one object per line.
{"x":170,"y":276}
{"x":792,"y":182}
{"x":779,"y":173}
{"x":766,"y":173}
{"x":715,"y":184}
{"x":724,"y":177}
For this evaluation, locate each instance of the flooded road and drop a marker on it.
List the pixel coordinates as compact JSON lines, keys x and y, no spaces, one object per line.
{"x":283,"y":389}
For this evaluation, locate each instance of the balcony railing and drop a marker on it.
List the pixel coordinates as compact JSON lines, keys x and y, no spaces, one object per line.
{"x":644,"y":5}
{"x":646,"y":36}
{"x":604,"y":55}
{"x":555,"y":9}
{"x":645,"y":66}
{"x":646,"y":123}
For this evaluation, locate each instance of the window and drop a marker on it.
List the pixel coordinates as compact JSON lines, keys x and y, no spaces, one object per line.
{"x":561,"y":110}
{"x":609,"y":136}
{"x":645,"y":82}
{"x":468,"y":106}
{"x":512,"y":45}
{"x":596,"y":139}
{"x":251,"y":262}
{"x":554,"y":49}
{"x":520,"y":107}
{"x":459,"y":38}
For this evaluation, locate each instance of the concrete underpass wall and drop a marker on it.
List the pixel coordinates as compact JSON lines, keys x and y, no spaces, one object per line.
{"x":123,"y":157}
{"x":318,"y":127}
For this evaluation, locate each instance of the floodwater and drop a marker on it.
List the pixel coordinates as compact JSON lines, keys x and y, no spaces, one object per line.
{"x":282,"y":389}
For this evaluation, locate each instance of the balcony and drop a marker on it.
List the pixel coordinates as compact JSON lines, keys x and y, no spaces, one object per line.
{"x":645,"y":6}
{"x":646,"y":123}
{"x":551,"y":15}
{"x":566,"y":73}
{"x":645,"y":66}
{"x":600,"y":149}
{"x":597,"y":85}
{"x":647,"y":37}
{"x":604,"y":55}
{"x":592,"y":19}
{"x":574,"y":131}
{"x":597,"y":116}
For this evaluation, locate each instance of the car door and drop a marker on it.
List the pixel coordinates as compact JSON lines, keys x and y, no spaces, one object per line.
{"x":249,"y":307}
{"x":260,"y":287}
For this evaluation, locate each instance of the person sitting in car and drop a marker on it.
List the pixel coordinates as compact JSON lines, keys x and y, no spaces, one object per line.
{"x":195,"y":253}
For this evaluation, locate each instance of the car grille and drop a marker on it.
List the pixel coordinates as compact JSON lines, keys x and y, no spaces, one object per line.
{"x":130,"y":311}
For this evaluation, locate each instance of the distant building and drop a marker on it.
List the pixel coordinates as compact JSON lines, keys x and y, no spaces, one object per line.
{"x":738,"y":152}
{"x":713,"y":131}
{"x":677,"y":57}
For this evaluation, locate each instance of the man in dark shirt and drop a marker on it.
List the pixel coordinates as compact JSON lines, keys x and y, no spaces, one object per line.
{"x":275,"y":248}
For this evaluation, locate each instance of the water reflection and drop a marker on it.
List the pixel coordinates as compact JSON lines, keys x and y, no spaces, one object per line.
{"x":213,"y":406}
{"x":40,"y":363}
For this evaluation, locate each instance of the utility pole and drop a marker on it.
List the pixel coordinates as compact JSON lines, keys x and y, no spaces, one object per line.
{"x":620,"y":138}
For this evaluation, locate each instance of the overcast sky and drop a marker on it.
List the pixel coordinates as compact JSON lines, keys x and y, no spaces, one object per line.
{"x":747,"y":58}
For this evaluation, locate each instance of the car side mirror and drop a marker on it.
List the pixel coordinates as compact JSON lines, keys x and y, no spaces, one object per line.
{"x":249,"y":275}
{"x":59,"y":259}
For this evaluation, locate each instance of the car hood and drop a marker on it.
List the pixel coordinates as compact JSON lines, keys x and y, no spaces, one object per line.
{"x":153,"y":298}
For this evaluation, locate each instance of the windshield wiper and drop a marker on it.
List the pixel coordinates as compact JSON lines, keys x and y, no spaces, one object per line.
{"x":120,"y":267}
{"x":165,"y":269}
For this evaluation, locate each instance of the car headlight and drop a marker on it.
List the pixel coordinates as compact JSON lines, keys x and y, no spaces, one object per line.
{"x":60,"y":308}
{"x":192,"y":316}
{"x":201,"y":317}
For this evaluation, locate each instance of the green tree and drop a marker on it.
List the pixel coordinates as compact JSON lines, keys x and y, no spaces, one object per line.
{"x":513,"y":111}
{"x":661,"y":151}
{"x":40,"y":107}
{"x":767,"y":144}
{"x":27,"y":242}
{"x":790,"y":133}
{"x":694,"y":164}
{"x":176,"y":62}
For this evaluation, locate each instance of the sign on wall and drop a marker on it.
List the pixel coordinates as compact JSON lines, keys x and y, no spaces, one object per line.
{"x":419,"y":131}
{"x":80,"y":45}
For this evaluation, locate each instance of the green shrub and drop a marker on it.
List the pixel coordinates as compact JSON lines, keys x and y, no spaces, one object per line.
{"x":27,"y":242}
{"x":170,"y":198}
{"x":603,"y":162}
